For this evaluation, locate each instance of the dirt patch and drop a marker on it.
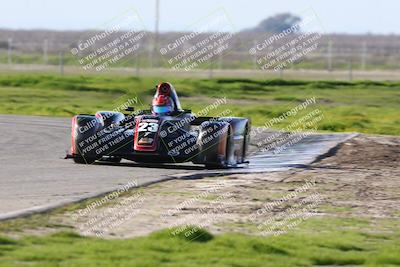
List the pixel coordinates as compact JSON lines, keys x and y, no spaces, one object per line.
{"x":363,"y":175}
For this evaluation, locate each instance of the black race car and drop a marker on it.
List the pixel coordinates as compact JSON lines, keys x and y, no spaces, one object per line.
{"x":164,"y":134}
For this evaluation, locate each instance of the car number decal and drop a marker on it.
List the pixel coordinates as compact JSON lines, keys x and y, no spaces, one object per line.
{"x":148,"y":127}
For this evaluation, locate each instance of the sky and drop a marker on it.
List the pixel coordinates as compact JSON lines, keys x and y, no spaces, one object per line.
{"x":336,"y":16}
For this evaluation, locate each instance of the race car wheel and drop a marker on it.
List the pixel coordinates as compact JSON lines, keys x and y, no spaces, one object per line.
{"x":220,"y":165}
{"x":245,"y":144}
{"x":81,"y":160}
{"x":112,"y":159}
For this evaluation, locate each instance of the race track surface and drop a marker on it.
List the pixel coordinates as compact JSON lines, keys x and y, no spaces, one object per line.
{"x":34,"y":176}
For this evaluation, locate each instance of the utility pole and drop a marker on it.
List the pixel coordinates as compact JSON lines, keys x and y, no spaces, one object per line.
{"x":156,"y":30}
{"x":9,"y":51}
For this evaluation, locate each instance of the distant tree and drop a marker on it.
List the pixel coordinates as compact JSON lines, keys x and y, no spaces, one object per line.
{"x":276,"y":23}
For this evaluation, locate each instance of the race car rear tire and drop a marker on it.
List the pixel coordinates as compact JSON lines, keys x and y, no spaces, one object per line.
{"x":221,"y":165}
{"x":246,"y":141}
{"x":211,"y":136}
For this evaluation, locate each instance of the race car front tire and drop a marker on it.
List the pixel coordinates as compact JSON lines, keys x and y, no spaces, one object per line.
{"x":112,"y":159}
{"x":83,"y":160}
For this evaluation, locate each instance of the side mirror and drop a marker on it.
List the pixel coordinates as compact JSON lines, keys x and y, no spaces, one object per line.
{"x":130,"y":109}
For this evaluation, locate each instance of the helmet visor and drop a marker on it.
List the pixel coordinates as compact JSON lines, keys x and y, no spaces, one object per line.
{"x":162,"y":109}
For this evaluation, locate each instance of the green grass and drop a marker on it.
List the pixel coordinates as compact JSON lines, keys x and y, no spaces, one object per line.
{"x":318,"y":241}
{"x":362,"y":106}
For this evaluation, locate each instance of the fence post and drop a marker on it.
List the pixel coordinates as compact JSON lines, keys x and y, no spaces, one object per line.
{"x":255,"y":55}
{"x":45,"y":55}
{"x":9,"y":51}
{"x":61,"y":62}
{"x":350,"y":70}
{"x":364,"y":55}
{"x":220,"y":60}
{"x":137,"y":64}
{"x":150,"y":55}
{"x":329,"y":55}
{"x":211,"y":73}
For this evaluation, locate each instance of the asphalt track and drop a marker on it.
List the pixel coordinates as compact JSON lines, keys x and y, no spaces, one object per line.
{"x":34,"y":177}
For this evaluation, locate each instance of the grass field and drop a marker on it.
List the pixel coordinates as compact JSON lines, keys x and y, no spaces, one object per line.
{"x":322,"y":242}
{"x":362,"y":106}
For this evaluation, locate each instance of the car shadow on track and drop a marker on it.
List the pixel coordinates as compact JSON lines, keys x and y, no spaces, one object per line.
{"x":152,"y":165}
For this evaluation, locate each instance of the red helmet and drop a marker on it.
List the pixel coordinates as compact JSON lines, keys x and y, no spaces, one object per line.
{"x":162,"y":104}
{"x":165,"y":100}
